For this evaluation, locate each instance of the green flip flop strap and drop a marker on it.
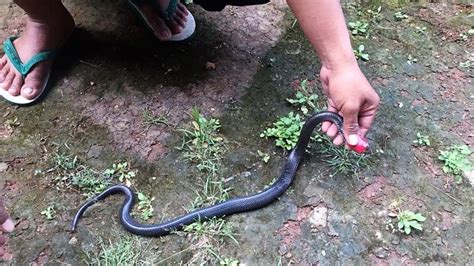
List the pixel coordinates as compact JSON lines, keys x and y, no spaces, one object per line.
{"x":14,"y":58}
{"x":171,"y":9}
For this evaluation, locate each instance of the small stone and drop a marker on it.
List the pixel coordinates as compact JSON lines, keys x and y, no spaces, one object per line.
{"x":282,"y":250}
{"x":378,"y":235}
{"x":323,"y":252}
{"x":3,"y":167}
{"x":72,"y":241}
{"x":392,"y":215}
{"x":382,"y":213}
{"x":319,"y":216}
{"x":395,"y":240}
{"x":92,"y":83}
{"x":331,"y":231}
{"x":380,"y":253}
{"x":210,"y":66}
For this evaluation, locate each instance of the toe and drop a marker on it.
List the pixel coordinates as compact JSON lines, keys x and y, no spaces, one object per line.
{"x":6,"y":84}
{"x":35,"y":80}
{"x":156,"y":23}
{"x":183,"y":9}
{"x":179,"y":22}
{"x":16,"y":85}
{"x":3,"y":75}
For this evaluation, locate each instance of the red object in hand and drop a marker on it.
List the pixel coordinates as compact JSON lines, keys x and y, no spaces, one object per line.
{"x":361,"y":146}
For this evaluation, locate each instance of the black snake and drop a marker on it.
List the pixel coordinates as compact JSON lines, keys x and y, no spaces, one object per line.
{"x":226,"y":208}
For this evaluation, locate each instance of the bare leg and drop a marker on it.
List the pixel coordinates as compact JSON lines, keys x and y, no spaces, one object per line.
{"x":48,"y":26}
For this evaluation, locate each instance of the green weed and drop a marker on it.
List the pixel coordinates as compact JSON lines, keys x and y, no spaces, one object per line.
{"x":49,"y":212}
{"x":144,"y":206}
{"x":358,"y":27}
{"x":408,"y":220}
{"x":126,"y":251}
{"x":121,"y":171}
{"x":69,"y":172}
{"x":360,"y":53}
{"x":150,"y":119}
{"x":265,"y":157}
{"x":422,"y":140}
{"x":400,"y":16}
{"x":285,"y":130}
{"x":305,"y":98}
{"x":456,"y":161}
{"x":202,"y":143}
{"x":340,"y":159}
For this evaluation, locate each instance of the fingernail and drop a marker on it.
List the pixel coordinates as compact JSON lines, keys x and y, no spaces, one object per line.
{"x":28,"y":90}
{"x":8,"y":225}
{"x":353,"y":140}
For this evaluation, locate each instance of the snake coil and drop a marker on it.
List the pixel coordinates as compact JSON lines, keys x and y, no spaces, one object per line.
{"x":226,"y":208}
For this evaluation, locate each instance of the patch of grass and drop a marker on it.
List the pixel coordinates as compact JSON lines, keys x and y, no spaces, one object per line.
{"x":456,"y":161}
{"x":340,"y":159}
{"x":49,"y":212}
{"x":202,"y":143}
{"x":126,"y":251}
{"x":69,"y":172}
{"x":360,"y":53}
{"x":150,"y":119}
{"x":408,"y":220}
{"x":207,"y":237}
{"x":286,"y":131}
{"x":358,"y":27}
{"x":422,"y":140}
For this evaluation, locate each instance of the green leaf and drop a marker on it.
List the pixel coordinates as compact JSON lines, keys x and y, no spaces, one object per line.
{"x":407,"y":230}
{"x":419,"y":217}
{"x":415,"y":225}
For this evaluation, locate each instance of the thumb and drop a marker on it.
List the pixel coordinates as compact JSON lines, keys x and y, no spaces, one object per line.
{"x":351,"y":128}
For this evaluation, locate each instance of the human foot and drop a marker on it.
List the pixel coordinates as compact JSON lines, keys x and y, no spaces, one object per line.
{"x":6,"y":225}
{"x":166,"y":23}
{"x":38,"y":36}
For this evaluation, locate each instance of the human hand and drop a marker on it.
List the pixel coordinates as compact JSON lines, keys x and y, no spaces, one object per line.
{"x":349,"y":94}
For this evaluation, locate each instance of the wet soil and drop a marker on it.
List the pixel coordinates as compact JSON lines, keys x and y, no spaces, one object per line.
{"x":113,"y":69}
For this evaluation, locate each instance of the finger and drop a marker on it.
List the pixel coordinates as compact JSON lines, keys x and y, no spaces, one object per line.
{"x":325,"y":126}
{"x":332,"y":131}
{"x":365,"y":123}
{"x":338,"y":140}
{"x":351,"y":125}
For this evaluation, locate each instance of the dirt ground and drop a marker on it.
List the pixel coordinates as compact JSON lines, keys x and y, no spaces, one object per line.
{"x":113,"y":69}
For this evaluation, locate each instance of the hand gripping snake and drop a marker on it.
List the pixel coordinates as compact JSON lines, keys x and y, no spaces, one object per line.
{"x":225,"y":208}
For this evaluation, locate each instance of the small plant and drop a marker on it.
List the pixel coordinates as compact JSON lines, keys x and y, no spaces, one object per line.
{"x":149,"y":118}
{"x":340,"y":159}
{"x":358,"y":27}
{"x":456,"y":161}
{"x":305,"y":97}
{"x":202,"y":143}
{"x":121,"y":171}
{"x":49,"y":212}
{"x":286,"y":131}
{"x":11,"y":124}
{"x":422,"y":140}
{"x":229,"y":262}
{"x":213,"y":227}
{"x":375,"y":15}
{"x":420,"y":30}
{"x":466,"y":64}
{"x":360,"y":53}
{"x":125,"y":251}
{"x":408,"y":220}
{"x":144,"y":206}
{"x":400,"y":16}
{"x":265,"y":157}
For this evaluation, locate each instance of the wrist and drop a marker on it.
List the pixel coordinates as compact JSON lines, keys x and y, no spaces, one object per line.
{"x":339,"y":62}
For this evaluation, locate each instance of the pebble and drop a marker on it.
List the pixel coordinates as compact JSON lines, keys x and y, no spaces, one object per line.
{"x":210,"y":66}
{"x":319,"y":217}
{"x":380,"y":253}
{"x":72,"y":241}
{"x":3,"y":167}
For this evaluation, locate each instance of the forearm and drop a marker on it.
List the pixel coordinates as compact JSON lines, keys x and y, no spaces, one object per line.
{"x":323,"y":24}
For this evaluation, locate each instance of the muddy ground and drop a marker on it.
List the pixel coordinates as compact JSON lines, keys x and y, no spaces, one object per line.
{"x":112,"y":69}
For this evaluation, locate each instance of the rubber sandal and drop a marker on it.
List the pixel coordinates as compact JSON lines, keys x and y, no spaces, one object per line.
{"x":24,"y":69}
{"x":188,"y":30}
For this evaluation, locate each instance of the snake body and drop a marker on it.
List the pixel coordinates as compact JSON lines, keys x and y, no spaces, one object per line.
{"x":226,"y":208}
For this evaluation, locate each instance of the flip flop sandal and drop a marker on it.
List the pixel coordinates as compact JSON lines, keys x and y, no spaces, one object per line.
{"x":185,"y":34}
{"x":24,"y":69}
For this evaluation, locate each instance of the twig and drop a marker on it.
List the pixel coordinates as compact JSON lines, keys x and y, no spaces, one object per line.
{"x":451,"y":197}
